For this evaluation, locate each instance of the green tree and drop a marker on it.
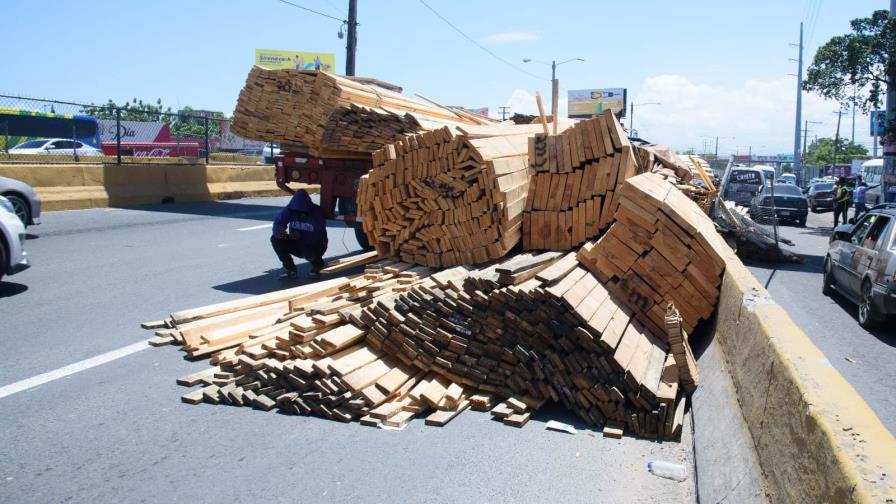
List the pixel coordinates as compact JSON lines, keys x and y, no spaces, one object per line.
{"x":821,"y":152}
{"x":787,"y":168}
{"x":186,"y":122}
{"x":688,"y":152}
{"x":857,"y":67}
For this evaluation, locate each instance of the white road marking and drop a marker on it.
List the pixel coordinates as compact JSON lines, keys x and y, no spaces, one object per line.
{"x":250,"y":228}
{"x":71,"y":369}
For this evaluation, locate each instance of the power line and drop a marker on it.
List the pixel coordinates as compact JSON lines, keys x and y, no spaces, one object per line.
{"x":477,"y":44}
{"x":312,"y":11}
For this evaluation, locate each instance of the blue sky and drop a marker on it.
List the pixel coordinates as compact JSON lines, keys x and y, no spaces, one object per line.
{"x":717,"y":67}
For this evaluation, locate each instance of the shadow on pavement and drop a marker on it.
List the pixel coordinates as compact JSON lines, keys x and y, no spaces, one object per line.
{"x":886,"y":332}
{"x":253,"y":211}
{"x":29,"y":236}
{"x":269,"y":281}
{"x":10,"y":289}
{"x":810,"y":264}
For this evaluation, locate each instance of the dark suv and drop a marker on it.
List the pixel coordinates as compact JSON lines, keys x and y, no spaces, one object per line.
{"x":861,"y":264}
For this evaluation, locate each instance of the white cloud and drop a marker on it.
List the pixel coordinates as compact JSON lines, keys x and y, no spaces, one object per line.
{"x":523,"y":102}
{"x":757,"y":113}
{"x":514,"y":36}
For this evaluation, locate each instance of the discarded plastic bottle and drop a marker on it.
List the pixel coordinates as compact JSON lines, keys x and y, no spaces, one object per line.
{"x":668,"y":470}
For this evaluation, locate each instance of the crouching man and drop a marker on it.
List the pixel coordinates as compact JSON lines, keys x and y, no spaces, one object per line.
{"x":300,"y":230}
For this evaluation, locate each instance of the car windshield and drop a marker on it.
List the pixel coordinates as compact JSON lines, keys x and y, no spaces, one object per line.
{"x":785,"y":190}
{"x":822,"y":187}
{"x":31,"y":144}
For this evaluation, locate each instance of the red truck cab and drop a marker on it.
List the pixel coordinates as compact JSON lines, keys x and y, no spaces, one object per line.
{"x":338,"y":180}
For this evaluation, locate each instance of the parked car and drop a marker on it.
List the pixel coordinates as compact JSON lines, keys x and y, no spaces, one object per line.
{"x":861,"y":264}
{"x":25,"y":203}
{"x":250,"y":152}
{"x":55,"y":147}
{"x":269,"y":152}
{"x":821,"y":195}
{"x":13,"y":258}
{"x":789,"y":204}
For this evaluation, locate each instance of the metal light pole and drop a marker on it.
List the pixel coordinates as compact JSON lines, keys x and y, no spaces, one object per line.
{"x":631,"y":119}
{"x":799,"y":108}
{"x":555,"y":84}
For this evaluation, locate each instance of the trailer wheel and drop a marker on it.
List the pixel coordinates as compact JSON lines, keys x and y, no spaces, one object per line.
{"x":361,"y":236}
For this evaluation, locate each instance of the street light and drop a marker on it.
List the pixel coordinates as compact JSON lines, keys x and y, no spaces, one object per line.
{"x":631,"y":119}
{"x":554,"y":86}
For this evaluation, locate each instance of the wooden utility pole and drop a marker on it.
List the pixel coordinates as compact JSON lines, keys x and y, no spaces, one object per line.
{"x":351,"y":45}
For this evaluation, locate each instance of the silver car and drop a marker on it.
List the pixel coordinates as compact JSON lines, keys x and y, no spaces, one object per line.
{"x":25,"y":203}
{"x":861,"y":264}
{"x":12,"y":235}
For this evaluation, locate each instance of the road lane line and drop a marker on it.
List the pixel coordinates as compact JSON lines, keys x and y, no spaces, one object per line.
{"x":250,"y":228}
{"x":71,"y":369}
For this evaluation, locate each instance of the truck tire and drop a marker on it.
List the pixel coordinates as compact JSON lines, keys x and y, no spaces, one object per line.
{"x":361,"y":236}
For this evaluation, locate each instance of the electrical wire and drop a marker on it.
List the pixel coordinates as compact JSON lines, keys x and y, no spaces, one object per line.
{"x":311,"y":10}
{"x":477,"y":44}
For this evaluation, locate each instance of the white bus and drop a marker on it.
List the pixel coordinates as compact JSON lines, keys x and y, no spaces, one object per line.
{"x":872,"y":174}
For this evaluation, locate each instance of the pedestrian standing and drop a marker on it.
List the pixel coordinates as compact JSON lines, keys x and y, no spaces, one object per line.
{"x":861,"y":197}
{"x":841,"y":201}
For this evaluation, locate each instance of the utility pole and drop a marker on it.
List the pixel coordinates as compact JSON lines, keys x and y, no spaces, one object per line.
{"x":717,"y":147}
{"x":837,"y":137}
{"x":351,"y":45}
{"x":504,"y":112}
{"x":555,"y":90}
{"x":799,"y":107}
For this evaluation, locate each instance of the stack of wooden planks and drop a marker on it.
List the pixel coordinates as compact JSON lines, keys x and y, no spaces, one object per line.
{"x":573,"y":191}
{"x":400,"y":341}
{"x":441,"y":199}
{"x":661,"y":248}
{"x":333,"y":115}
{"x":534,"y":328}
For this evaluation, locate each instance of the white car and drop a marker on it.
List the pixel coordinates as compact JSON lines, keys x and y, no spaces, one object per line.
{"x":55,"y":147}
{"x":13,"y":258}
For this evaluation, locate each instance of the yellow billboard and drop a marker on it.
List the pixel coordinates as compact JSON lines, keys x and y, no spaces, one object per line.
{"x":584,"y":103}
{"x":277,"y":59}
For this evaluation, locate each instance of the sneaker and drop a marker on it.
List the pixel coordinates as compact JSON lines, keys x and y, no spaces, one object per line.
{"x":289,"y":275}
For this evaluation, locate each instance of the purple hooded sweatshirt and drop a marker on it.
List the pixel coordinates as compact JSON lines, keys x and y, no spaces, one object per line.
{"x":301,"y":214}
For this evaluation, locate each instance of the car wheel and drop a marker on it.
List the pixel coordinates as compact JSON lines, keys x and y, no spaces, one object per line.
{"x":814,"y":209}
{"x":827,"y":279}
{"x":801,"y":222}
{"x":868,"y":317}
{"x":23,"y":212}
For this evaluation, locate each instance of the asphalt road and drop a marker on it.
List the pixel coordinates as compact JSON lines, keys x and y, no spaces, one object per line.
{"x":867,"y":359}
{"x":117,"y":432}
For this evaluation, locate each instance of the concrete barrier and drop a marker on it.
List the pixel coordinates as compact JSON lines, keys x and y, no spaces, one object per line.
{"x":82,"y":185}
{"x":815,"y":438}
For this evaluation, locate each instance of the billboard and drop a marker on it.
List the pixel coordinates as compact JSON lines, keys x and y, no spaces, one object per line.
{"x":584,"y":103}
{"x":232,"y":141}
{"x":878,"y":122}
{"x":134,"y":131}
{"x":276,"y":59}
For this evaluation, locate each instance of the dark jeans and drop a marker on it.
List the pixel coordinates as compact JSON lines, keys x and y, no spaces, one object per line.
{"x":841,"y":209}
{"x":285,"y":248}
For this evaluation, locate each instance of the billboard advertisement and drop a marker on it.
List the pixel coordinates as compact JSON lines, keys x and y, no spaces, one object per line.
{"x":277,"y":59}
{"x":583,"y":103}
{"x":878,"y":121}
{"x":134,"y":131}
{"x":232,"y":141}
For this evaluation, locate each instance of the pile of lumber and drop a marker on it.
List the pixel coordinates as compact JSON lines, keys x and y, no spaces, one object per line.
{"x":400,"y":341}
{"x":535,"y":328}
{"x":333,"y":115}
{"x":441,"y":199}
{"x":572,"y":194}
{"x":661,"y":248}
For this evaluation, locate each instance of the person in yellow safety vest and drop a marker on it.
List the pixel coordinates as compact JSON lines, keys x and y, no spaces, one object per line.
{"x":841,"y":201}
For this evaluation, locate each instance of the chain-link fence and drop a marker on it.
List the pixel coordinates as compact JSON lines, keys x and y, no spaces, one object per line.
{"x":50,"y":131}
